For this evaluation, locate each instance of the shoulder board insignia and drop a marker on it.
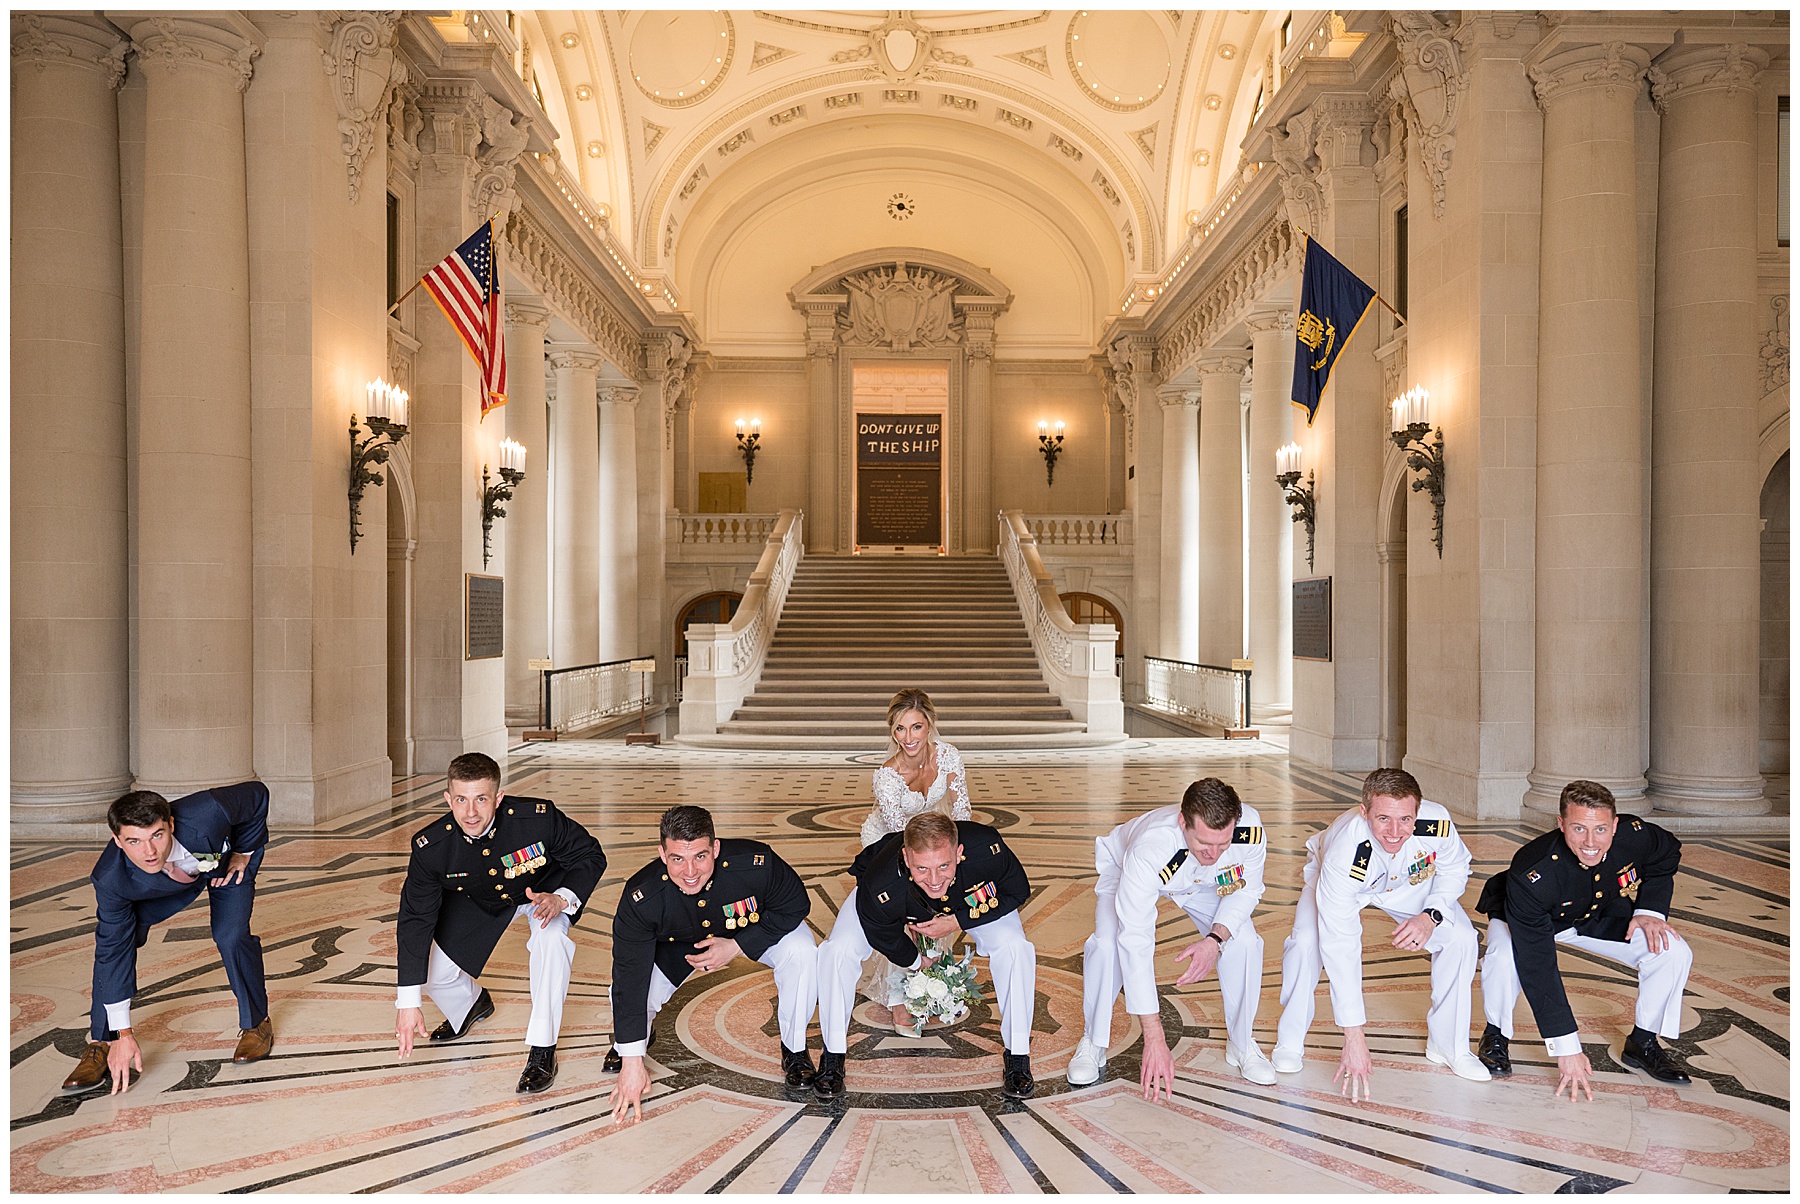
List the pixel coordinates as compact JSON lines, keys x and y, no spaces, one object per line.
{"x":1533,"y":876}
{"x":1247,"y":835}
{"x":1175,"y":863}
{"x":883,"y":896}
{"x":1431,"y":827}
{"x":1359,"y":869}
{"x":422,"y":841}
{"x":1637,"y":825}
{"x":543,"y":808}
{"x":637,"y":896}
{"x":994,"y":848}
{"x":756,"y":859}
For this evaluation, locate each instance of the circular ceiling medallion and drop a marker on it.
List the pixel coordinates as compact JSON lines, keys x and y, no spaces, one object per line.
{"x":680,"y":58}
{"x":901,"y":206}
{"x":1120,"y":58}
{"x":583,"y":92}
{"x":569,"y":41}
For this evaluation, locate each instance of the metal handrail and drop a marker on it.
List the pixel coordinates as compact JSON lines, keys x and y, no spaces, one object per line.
{"x":546,"y":706}
{"x":1197,"y":705}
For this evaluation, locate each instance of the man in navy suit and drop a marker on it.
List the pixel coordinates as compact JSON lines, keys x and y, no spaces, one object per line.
{"x":161,"y":856}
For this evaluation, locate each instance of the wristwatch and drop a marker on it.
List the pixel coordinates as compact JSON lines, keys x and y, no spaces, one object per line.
{"x":1215,"y":936}
{"x":1437,"y":917}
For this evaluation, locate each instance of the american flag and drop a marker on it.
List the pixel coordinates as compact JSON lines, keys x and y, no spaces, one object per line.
{"x":466,"y":286}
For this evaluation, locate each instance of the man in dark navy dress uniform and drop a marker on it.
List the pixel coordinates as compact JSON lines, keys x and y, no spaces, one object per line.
{"x":161,"y":856}
{"x":490,"y":859}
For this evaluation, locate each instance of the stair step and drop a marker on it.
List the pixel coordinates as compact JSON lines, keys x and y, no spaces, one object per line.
{"x":987,"y":727}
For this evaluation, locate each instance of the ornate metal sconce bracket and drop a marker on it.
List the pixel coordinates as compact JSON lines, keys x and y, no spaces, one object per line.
{"x":493,"y":503}
{"x":1050,"y":447}
{"x":1427,"y":459}
{"x":747,"y":445}
{"x":1304,"y":502}
{"x":365,"y":453}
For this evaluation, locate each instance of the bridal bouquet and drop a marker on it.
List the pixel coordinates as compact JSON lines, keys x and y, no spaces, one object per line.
{"x":942,"y":988}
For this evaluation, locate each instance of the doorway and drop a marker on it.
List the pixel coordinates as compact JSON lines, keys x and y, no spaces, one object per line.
{"x":900,"y":502}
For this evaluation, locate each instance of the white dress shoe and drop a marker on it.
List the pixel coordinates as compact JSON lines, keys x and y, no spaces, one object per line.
{"x":1462,"y":1063}
{"x":1255,"y":1067}
{"x":1287,"y":1061}
{"x":1086,"y":1065}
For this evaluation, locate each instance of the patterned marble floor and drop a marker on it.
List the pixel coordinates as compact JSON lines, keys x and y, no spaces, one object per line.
{"x":333,"y":1111}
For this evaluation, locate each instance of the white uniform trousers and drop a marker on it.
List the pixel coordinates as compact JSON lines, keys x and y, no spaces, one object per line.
{"x":1453,"y":948}
{"x":1662,"y":977}
{"x":1239,"y":970}
{"x":1012,"y":962}
{"x":795,"y":961}
{"x":552,"y":960}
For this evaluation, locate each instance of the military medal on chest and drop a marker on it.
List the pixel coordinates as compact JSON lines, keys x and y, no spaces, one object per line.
{"x":982,"y":899}
{"x":1425,"y":867}
{"x":518,"y":864}
{"x":1629,"y":883}
{"x":1229,"y":881}
{"x":741,"y":914}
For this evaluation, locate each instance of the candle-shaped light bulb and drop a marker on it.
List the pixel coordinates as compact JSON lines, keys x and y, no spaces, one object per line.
{"x":1043,"y":426}
{"x":740,"y":426}
{"x":756,"y":425}
{"x":1059,"y":428}
{"x":1398,"y":409}
{"x":397,"y":399}
{"x":1287,"y":459}
{"x":376,"y":404}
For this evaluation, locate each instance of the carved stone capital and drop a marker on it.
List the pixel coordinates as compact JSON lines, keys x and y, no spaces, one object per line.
{"x":1434,"y":82}
{"x":80,"y":40}
{"x":1616,"y":67}
{"x":574,"y":359}
{"x":1223,"y":363}
{"x":1178,"y":397}
{"x":1261,"y":321}
{"x":209,"y":41}
{"x":361,"y":65}
{"x":821,"y":329}
{"x":623,"y":396}
{"x":1689,"y":70}
{"x":528,"y":312}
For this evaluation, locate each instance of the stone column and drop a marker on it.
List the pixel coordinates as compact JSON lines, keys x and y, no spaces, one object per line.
{"x":618,"y":583}
{"x":820,"y":529}
{"x":980,"y":522}
{"x":1589,"y":435}
{"x":1132,"y":359}
{"x":575,"y":575}
{"x":528,"y":514}
{"x":1705,"y":555}
{"x":194,"y":696}
{"x":1180,"y":618}
{"x":70,"y":708}
{"x":1271,"y":520}
{"x":1221,"y":507}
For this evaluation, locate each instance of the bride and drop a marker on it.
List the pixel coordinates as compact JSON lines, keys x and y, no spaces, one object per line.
{"x":923,"y":774}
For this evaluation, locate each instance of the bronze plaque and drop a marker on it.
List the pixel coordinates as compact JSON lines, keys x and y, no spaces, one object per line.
{"x":1312,"y":619}
{"x":484,"y":615}
{"x":899,"y":480}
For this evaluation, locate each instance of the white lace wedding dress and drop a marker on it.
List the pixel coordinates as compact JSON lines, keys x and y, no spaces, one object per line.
{"x":895,"y":803}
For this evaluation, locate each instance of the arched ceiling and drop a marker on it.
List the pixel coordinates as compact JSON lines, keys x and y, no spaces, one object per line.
{"x":1102,"y":129}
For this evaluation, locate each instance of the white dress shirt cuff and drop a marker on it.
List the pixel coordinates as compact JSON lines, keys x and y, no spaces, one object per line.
{"x":1645,"y":911}
{"x":568,"y":896}
{"x":632,"y":1049}
{"x":118,"y":1015}
{"x":409,"y":997}
{"x":1563,"y":1046}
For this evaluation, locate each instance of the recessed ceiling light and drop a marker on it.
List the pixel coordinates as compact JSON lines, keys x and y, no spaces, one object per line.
{"x":1228,"y":52}
{"x":1202,"y":158}
{"x":569,"y":41}
{"x":583,"y":92}
{"x":595,"y":150}
{"x":1214,"y":101}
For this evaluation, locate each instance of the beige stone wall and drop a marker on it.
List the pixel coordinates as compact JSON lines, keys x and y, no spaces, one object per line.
{"x":1024,"y":394}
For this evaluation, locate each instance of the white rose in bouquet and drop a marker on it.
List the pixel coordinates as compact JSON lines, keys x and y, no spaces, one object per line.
{"x":937,"y":990}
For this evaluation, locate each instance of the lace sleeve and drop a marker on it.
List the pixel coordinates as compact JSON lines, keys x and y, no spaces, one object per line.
{"x":952,"y":762}
{"x":890,"y":799}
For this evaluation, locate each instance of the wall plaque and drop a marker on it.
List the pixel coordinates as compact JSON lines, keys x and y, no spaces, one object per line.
{"x":484,"y":616}
{"x":1312,"y":619}
{"x":899,"y":480}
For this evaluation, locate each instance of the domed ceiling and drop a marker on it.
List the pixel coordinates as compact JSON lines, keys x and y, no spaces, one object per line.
{"x":1111,"y":125}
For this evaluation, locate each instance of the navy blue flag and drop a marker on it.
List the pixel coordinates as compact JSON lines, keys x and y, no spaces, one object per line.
{"x":1333,"y":303}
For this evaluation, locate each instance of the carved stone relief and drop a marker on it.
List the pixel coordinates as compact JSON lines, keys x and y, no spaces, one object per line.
{"x":900,"y":307}
{"x":364,"y":72}
{"x":1434,"y":82}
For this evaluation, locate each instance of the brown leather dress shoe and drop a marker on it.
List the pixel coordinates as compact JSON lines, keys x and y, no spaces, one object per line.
{"x":255,"y":1043}
{"x":90,"y":1072}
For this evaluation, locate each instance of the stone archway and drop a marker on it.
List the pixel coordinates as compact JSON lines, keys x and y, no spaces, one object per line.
{"x":893,"y":304}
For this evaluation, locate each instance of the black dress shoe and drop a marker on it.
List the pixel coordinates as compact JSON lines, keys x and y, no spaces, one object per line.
{"x":1016,"y":1081}
{"x":1494,"y":1053}
{"x":828,"y":1082}
{"x":1654,"y":1061}
{"x":484,"y":1007}
{"x":612,"y":1063}
{"x":798,"y":1066}
{"x":540,"y":1070}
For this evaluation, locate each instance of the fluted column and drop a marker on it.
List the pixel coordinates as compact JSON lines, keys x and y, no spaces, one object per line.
{"x":194,"y":645}
{"x":1181,"y":521}
{"x":1221,"y":507}
{"x":820,"y":529}
{"x":618,"y":585}
{"x":575,"y":572}
{"x":1705,"y":555}
{"x":70,"y":702}
{"x":1271,"y":521}
{"x":1589,"y":436}
{"x":528,"y":514}
{"x":980,"y":525}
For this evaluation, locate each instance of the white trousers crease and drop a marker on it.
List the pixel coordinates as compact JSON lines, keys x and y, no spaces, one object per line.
{"x":1453,"y":948}
{"x":1012,"y":963}
{"x":552,"y":962}
{"x":1662,"y":977}
{"x":795,"y":960}
{"x":1239,"y":970}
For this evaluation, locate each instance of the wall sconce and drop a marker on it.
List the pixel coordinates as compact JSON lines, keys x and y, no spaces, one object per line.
{"x":747,"y":444}
{"x":1301,"y":498}
{"x":1050,"y":447}
{"x":495,"y":497}
{"x":386,"y":415}
{"x":1412,"y":419}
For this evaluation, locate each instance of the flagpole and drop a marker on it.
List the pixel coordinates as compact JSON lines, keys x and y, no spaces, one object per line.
{"x":403,"y":296}
{"x":421,"y":280}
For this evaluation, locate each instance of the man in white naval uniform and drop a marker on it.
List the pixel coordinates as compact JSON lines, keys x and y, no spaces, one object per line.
{"x":1207,"y":855}
{"x":1403,"y":855}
